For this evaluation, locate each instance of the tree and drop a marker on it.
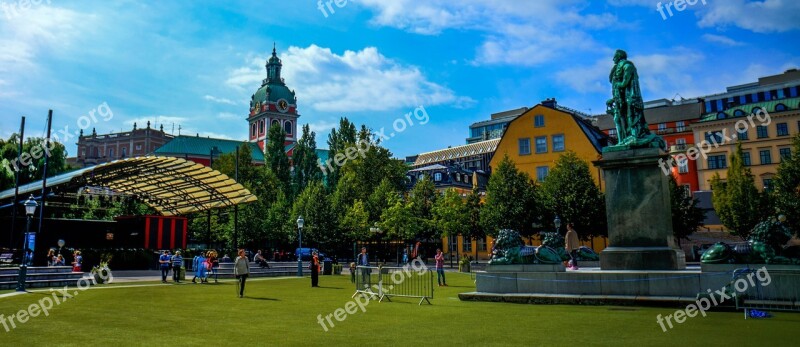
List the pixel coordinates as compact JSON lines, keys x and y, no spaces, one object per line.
{"x":320,"y":227}
{"x":450,"y":215}
{"x":473,"y":207}
{"x":786,"y":187}
{"x":338,"y":141}
{"x":569,"y":192}
{"x":304,"y":158}
{"x":34,"y":149}
{"x":399,"y":221}
{"x":421,"y":200}
{"x":737,"y":201}
{"x":276,"y":158}
{"x":686,"y":216}
{"x":355,"y":222}
{"x":510,"y":201}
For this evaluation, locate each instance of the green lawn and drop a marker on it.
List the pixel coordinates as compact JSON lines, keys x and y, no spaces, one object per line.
{"x":284,"y":312}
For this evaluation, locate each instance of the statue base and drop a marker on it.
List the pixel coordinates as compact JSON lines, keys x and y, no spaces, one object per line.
{"x":639,"y":212}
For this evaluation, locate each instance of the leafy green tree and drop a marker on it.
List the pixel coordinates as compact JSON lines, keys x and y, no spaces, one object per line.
{"x":398,"y":220}
{"x":380,"y":199}
{"x":569,"y":192}
{"x":473,"y":206}
{"x":786,"y":187}
{"x":421,"y":200}
{"x":686,"y":216}
{"x":34,"y":150}
{"x":304,"y":158}
{"x":355,"y":222}
{"x":320,"y":227}
{"x":510,"y":200}
{"x":737,"y":200}
{"x":275,"y":157}
{"x":450,"y":215}
{"x":338,"y":141}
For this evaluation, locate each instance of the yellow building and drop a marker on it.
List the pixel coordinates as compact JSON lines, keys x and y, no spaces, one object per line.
{"x":538,"y":137}
{"x":765,"y":130}
{"x":534,"y":140}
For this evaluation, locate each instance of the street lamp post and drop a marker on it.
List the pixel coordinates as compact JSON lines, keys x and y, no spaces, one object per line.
{"x":300,"y":222}
{"x":30,"y":209}
{"x":557,"y":222}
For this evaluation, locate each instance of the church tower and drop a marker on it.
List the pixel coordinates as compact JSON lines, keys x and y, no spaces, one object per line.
{"x":273,"y":104}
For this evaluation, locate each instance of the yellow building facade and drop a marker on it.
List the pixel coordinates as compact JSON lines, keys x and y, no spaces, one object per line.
{"x":534,"y":141}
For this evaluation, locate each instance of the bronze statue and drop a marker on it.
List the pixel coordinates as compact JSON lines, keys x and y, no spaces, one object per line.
{"x":627,"y":107}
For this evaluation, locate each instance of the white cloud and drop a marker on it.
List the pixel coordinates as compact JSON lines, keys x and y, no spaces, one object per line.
{"x":511,"y":36}
{"x":362,"y":80}
{"x":219,"y":100}
{"x":230,"y":116}
{"x":765,"y":16}
{"x":322,"y":126}
{"x":724,"y":40}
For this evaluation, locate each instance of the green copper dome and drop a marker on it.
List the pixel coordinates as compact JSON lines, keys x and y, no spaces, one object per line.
{"x":273,"y":88}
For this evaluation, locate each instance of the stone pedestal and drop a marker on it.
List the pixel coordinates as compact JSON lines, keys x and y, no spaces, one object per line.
{"x":639,"y":212}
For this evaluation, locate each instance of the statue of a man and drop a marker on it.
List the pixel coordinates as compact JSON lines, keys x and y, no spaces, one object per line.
{"x":627,"y":107}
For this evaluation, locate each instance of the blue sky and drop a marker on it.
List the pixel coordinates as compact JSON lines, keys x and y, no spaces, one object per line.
{"x":195,"y":64}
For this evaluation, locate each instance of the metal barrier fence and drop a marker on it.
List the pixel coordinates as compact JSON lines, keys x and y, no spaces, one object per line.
{"x":779,"y":295}
{"x":385,"y":282}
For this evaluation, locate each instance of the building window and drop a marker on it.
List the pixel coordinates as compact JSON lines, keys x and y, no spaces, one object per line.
{"x":766,"y":156}
{"x":288,"y":127}
{"x":261,"y":125}
{"x":613,"y":132}
{"x":481,"y":244}
{"x":714,"y":136}
{"x":780,"y":107}
{"x":742,"y":135}
{"x":746,"y":158}
{"x":717,"y":162}
{"x":124,"y":152}
{"x":683,"y":166}
{"x":538,"y":120}
{"x":754,"y":97}
{"x":524,"y":146}
{"x":541,"y":144}
{"x":111,"y":153}
{"x":541,"y":173}
{"x":785,"y":153}
{"x":756,"y":110}
{"x":437,"y":177}
{"x":253,"y":131}
{"x":680,"y":126}
{"x":738,"y":113}
{"x":558,"y":143}
{"x":761,"y":132}
{"x":275,"y":123}
{"x":662,"y":126}
{"x":767,"y":184}
{"x":722,"y":115}
{"x":783,"y":129}
{"x":466,"y":244}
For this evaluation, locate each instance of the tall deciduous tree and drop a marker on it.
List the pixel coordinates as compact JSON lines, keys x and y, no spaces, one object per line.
{"x":450,"y":215}
{"x":510,"y":200}
{"x":276,"y":158}
{"x":475,"y":230}
{"x":737,"y":201}
{"x":786,"y":191}
{"x":569,"y":192}
{"x":338,"y":141}
{"x":320,"y":222}
{"x":304,"y":158}
{"x":421,"y":199}
{"x":686,"y":216}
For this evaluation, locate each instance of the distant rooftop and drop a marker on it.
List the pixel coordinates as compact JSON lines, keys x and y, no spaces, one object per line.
{"x":201,"y":146}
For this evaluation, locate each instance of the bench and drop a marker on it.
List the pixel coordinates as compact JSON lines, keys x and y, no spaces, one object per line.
{"x":6,"y":258}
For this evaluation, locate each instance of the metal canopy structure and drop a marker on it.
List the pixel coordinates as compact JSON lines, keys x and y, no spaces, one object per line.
{"x":172,"y":186}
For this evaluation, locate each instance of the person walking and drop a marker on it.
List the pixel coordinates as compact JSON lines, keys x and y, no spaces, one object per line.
{"x":177,"y":263}
{"x":571,"y":245}
{"x":440,"y":268}
{"x":199,"y":267}
{"x":214,"y":261}
{"x":77,"y":261}
{"x":163,"y":261}
{"x":241,"y":269}
{"x":363,"y":261}
{"x":315,"y":269}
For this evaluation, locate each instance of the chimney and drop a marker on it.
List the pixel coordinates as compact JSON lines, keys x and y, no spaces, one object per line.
{"x":549,"y":103}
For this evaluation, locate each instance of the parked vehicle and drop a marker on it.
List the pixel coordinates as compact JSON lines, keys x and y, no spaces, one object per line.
{"x":305,"y":253}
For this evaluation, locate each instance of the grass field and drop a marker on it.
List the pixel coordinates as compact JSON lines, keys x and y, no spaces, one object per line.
{"x":284,"y":312}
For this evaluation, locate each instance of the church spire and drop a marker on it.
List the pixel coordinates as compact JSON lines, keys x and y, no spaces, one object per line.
{"x":274,"y":66}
